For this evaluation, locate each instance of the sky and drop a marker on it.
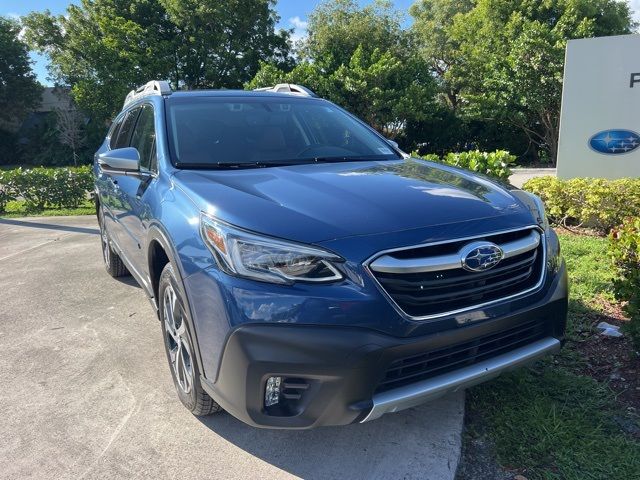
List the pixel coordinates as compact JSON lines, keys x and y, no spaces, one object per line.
{"x":293,"y":14}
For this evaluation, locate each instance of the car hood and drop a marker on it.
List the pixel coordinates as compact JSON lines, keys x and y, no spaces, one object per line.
{"x":321,"y":202}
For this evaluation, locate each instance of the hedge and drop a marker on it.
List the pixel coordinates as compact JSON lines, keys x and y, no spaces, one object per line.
{"x":611,"y":206}
{"x":42,"y":188}
{"x":595,"y":202}
{"x":625,"y":254}
{"x":494,"y":164}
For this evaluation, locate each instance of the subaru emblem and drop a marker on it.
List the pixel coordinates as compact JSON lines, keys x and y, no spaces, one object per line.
{"x":614,"y":142}
{"x":480,"y":256}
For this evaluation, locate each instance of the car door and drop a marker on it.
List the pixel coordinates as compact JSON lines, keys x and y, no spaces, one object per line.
{"x":134,"y":217}
{"x":108,"y":182}
{"x":115,"y":202}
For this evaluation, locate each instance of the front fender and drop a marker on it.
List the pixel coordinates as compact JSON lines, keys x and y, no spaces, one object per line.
{"x":183,"y":248}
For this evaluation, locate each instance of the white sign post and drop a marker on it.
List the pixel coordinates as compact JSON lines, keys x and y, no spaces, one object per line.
{"x":600,"y":117}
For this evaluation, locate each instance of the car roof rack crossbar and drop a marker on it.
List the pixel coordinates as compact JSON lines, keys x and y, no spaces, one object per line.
{"x":154,"y":87}
{"x":288,"y":88}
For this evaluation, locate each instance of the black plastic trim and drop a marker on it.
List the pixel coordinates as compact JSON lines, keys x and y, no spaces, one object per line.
{"x":346,"y":363}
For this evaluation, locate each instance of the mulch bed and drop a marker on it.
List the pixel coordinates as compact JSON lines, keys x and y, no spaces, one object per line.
{"x":613,"y":361}
{"x":610,"y":360}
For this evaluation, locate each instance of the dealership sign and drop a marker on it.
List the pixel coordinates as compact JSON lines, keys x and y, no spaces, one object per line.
{"x":600,"y":117}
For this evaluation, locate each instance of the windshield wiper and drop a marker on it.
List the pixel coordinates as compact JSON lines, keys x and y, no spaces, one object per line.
{"x":277,"y":163}
{"x":231,"y":165}
{"x":369,"y":158}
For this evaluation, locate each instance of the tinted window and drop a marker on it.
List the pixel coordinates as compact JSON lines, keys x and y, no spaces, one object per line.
{"x":144,"y":137}
{"x":124,"y":133}
{"x":207,"y":131}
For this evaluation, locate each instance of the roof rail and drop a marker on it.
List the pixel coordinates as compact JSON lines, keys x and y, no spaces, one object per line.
{"x":154,"y":87}
{"x":288,"y":88}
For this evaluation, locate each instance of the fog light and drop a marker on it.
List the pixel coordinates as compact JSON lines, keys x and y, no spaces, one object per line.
{"x":272,"y":391}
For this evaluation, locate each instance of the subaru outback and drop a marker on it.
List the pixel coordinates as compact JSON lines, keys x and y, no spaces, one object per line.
{"x":305,"y":271}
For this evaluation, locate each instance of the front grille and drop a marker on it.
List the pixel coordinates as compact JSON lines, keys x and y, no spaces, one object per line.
{"x":438,"y":292}
{"x":436,"y":362}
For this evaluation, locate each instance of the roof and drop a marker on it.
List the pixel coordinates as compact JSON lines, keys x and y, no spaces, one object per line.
{"x":232,"y":93}
{"x":54,"y":98}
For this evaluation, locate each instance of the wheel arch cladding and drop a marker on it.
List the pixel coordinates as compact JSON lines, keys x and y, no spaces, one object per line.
{"x":158,"y":258}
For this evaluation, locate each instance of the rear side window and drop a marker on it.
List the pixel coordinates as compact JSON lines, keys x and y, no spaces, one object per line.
{"x":125,"y":130}
{"x":144,"y":138}
{"x":113,"y":137}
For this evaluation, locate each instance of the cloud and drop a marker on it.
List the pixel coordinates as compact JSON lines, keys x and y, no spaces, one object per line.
{"x":297,"y":22}
{"x":299,"y":28}
{"x":634,"y":5}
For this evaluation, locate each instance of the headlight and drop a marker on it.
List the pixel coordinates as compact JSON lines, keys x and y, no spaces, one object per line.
{"x":535,"y":206}
{"x":266,"y":259}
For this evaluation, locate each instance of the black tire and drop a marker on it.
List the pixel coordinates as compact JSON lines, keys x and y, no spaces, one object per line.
{"x":178,"y":345}
{"x":112,"y":261}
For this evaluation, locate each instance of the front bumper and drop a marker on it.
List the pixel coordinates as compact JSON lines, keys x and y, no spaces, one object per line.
{"x":341,"y":367}
{"x":420,"y":392}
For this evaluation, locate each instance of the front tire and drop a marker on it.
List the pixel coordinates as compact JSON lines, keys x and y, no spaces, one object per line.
{"x":112,"y":261}
{"x":178,"y":344}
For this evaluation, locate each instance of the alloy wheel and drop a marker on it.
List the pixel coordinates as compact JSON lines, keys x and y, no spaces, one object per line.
{"x":177,"y":340}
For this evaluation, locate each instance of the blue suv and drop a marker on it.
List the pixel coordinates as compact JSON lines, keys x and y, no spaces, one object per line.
{"x":305,"y":271}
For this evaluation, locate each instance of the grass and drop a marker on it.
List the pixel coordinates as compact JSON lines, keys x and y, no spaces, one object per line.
{"x":17,"y":208}
{"x":548,"y":421}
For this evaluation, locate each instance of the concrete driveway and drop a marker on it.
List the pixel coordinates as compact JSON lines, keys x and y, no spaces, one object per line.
{"x":520,"y":175}
{"x":86,"y":390}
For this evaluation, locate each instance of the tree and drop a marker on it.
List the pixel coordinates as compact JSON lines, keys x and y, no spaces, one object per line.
{"x":359,"y":57}
{"x":433,"y":21}
{"x":19,"y":90}
{"x":385,"y":90}
{"x":221,"y":44}
{"x":104,"y":48}
{"x":69,"y":125}
{"x":41,"y":144}
{"x":338,"y":27}
{"x":511,"y":58}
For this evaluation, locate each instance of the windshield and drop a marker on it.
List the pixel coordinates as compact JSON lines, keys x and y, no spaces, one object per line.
{"x":210,"y":132}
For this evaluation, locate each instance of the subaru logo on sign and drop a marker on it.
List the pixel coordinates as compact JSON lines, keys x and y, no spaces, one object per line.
{"x":480,"y":256}
{"x":615,"y":142}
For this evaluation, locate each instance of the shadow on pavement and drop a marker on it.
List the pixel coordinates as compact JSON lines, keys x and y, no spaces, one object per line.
{"x":48,"y":226}
{"x":128,"y":280}
{"x":399,"y":445}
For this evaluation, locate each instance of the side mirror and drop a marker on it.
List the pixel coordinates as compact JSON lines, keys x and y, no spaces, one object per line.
{"x":395,"y":145}
{"x":120,"y":160}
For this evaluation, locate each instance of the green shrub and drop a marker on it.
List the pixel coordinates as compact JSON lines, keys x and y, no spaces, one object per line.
{"x":494,"y":164}
{"x":625,"y":253}
{"x":42,"y":188}
{"x":6,"y":194}
{"x":596,"y":202}
{"x":431,"y":157}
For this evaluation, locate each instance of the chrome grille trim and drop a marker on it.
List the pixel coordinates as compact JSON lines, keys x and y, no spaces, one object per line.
{"x":389,"y":264}
{"x":542,"y":240}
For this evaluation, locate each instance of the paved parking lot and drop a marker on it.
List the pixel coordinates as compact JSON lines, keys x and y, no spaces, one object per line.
{"x":86,"y":391}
